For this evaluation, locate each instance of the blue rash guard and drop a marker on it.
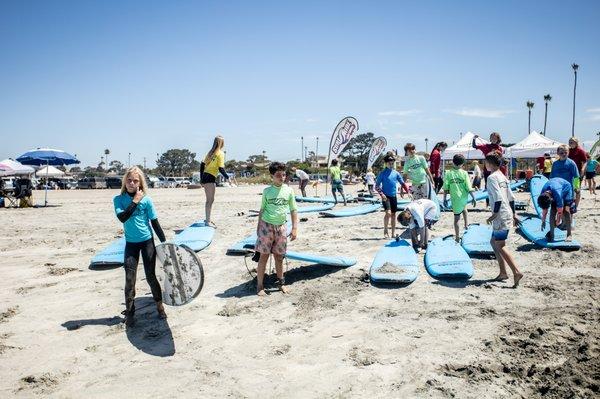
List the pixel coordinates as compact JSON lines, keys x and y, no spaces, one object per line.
{"x":561,"y":190}
{"x":388,"y":179}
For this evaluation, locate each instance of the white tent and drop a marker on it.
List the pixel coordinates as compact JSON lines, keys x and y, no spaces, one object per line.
{"x":10,"y":167}
{"x":464,"y":147}
{"x":533,"y":146}
{"x":49,"y":171}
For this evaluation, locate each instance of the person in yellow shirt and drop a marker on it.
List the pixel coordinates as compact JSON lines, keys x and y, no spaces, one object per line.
{"x":213,"y":163}
{"x":547,"y":165}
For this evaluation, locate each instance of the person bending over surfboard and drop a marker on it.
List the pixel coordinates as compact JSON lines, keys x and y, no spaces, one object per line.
{"x":416,"y":169}
{"x":503,"y":208}
{"x":304,"y":179}
{"x":566,"y":168}
{"x":336,"y":181}
{"x":557,"y":195}
{"x":387,"y":187}
{"x":213,"y":163}
{"x":458,"y":184}
{"x":136,"y":211}
{"x":419,"y":216}
{"x":277,"y":200}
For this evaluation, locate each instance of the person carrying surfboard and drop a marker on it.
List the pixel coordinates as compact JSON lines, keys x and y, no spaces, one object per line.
{"x":387,"y":187}
{"x":503,"y":215}
{"x":557,"y":195}
{"x":416,"y":169}
{"x":136,"y":211}
{"x":277,"y":200}
{"x":419,"y":216}
{"x":210,"y":167}
{"x":458,"y":185}
{"x":336,"y":181}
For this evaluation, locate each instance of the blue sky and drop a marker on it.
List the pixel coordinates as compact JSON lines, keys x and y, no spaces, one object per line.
{"x":143,"y":77}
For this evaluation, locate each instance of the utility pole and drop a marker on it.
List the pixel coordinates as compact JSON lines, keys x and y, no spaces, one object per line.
{"x":144,"y":164}
{"x":426,"y":145}
{"x":129,"y":160}
{"x":317,"y":153}
{"x":302,"y":149}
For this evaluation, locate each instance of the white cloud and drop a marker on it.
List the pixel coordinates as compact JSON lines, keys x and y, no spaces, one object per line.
{"x":480,"y":112}
{"x":311,"y":120}
{"x":408,"y":112}
{"x":593,"y":110}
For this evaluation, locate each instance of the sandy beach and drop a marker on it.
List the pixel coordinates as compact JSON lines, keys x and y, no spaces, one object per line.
{"x":334,"y":336}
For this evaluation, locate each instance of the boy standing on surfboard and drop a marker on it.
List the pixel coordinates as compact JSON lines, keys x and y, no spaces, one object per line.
{"x":387,"y":187}
{"x":503,"y":208}
{"x":557,"y":194}
{"x":458,"y":184}
{"x":419,"y":215}
{"x":277,"y":200}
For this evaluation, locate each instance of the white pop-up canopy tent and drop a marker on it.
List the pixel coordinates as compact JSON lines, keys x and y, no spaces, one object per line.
{"x":533,"y":146}
{"x":464,"y":147}
{"x":49,"y":171}
{"x":10,"y":167}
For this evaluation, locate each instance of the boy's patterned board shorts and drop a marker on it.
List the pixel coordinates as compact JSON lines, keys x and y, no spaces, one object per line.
{"x":420,"y":191}
{"x":271,"y":239}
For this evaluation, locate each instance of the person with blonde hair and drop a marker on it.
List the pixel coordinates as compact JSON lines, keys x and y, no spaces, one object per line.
{"x":136,"y":211}
{"x":213,"y":163}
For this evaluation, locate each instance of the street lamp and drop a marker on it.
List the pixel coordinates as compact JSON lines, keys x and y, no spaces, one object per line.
{"x":426,"y":145}
{"x":301,"y":148}
{"x":129,"y":160}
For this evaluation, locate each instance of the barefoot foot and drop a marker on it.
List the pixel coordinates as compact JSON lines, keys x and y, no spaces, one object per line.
{"x":501,"y":277}
{"x":518,"y":278}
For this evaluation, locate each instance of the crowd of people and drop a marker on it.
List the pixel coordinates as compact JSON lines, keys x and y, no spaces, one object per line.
{"x":559,"y":197}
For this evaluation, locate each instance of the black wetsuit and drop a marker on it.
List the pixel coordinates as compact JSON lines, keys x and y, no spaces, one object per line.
{"x":132,"y":257}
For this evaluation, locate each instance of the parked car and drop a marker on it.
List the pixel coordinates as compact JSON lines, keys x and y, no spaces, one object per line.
{"x":182,"y":182}
{"x":153,"y":181}
{"x":113,"y":182}
{"x":91,"y":182}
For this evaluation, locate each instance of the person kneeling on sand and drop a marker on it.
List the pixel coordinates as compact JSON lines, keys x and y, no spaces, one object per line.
{"x":503,"y":208}
{"x":271,"y":231}
{"x":419,"y":215}
{"x":136,"y":211}
{"x":557,"y":194}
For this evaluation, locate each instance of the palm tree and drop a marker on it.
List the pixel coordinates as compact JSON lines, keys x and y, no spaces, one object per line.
{"x":575,"y":68}
{"x":530,"y":106}
{"x":106,"y":152}
{"x":547,"y":99}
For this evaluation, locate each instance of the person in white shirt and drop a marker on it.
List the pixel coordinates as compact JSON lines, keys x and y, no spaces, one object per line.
{"x":477,"y":176}
{"x":418,"y":216}
{"x":370,"y":180}
{"x":304,"y":179}
{"x":503,"y":216}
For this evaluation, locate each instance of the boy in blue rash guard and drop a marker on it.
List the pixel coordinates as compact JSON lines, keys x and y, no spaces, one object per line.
{"x":557,"y":194}
{"x":565,"y":168}
{"x":136,"y":211}
{"x":387,"y":187}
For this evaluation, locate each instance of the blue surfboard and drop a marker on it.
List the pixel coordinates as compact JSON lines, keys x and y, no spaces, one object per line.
{"x":476,"y":240}
{"x":305,"y":209}
{"x":446,"y":259}
{"x":113,"y":255}
{"x":535,"y":188}
{"x":531,"y":228}
{"x":197,"y":236}
{"x":395,"y":263}
{"x":325,"y":200}
{"x":481,"y":195}
{"x":351,"y":211}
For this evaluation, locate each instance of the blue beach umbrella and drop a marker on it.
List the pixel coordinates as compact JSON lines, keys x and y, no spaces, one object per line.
{"x":47,"y":156}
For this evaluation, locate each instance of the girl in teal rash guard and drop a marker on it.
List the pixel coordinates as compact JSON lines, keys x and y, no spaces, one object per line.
{"x":136,"y":211}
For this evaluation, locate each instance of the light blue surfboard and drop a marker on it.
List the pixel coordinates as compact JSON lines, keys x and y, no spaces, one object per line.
{"x":395,"y":263}
{"x":325,"y":200}
{"x":476,"y":240}
{"x":446,"y":259}
{"x":481,"y":195}
{"x":351,"y":211}
{"x":113,"y":255}
{"x":197,"y":236}
{"x":307,"y":209}
{"x":535,"y":188}
{"x":531,"y":228}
